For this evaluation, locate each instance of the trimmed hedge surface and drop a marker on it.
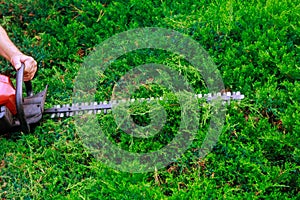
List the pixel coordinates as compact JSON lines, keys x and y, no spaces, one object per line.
{"x":255,"y":45}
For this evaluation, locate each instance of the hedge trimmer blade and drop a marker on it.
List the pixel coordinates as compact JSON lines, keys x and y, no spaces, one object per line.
{"x":68,"y":110}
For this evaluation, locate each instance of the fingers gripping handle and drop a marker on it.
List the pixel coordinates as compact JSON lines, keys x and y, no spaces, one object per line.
{"x":19,"y":99}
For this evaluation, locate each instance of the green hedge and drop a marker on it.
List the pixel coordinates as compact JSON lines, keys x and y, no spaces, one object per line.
{"x":255,"y":45}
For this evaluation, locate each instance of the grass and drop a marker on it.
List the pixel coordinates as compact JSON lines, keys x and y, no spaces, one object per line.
{"x":255,"y":45}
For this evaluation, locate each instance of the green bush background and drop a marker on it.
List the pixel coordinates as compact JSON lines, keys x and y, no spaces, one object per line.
{"x":255,"y":45}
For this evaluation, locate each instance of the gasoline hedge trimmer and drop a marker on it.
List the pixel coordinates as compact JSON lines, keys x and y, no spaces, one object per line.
{"x":18,"y":113}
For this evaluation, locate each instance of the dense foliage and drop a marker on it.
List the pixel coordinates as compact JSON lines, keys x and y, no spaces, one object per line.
{"x":255,"y":45}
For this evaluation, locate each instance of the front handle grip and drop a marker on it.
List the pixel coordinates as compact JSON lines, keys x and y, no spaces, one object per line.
{"x":19,"y":100}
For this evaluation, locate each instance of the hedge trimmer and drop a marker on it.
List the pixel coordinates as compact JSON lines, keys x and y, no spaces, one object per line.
{"x":18,"y":113}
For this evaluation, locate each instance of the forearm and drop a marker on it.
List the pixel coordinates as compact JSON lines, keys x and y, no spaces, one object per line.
{"x":7,"y":48}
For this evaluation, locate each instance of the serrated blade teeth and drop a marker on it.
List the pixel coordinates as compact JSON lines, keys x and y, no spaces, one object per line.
{"x":90,"y":111}
{"x":76,"y":105}
{"x":54,"y":114}
{"x":104,"y":110}
{"x":58,"y":114}
{"x":68,"y":113}
{"x":94,"y":111}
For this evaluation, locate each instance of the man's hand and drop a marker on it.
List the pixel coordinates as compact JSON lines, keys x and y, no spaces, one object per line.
{"x":29,"y":62}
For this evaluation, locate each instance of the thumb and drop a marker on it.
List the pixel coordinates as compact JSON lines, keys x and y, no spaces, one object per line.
{"x":16,"y":61}
{"x":17,"y":64}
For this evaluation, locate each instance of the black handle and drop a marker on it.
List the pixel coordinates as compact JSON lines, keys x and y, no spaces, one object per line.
{"x":19,"y":99}
{"x":28,"y":86}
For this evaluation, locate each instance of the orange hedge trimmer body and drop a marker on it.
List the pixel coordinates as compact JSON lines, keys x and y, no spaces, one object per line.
{"x":16,"y":112}
{"x":7,"y":94}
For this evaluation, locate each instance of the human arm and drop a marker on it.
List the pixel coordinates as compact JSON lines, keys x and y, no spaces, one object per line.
{"x":11,"y":53}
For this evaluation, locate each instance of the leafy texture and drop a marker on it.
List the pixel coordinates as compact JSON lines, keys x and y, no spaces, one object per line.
{"x":255,"y":45}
